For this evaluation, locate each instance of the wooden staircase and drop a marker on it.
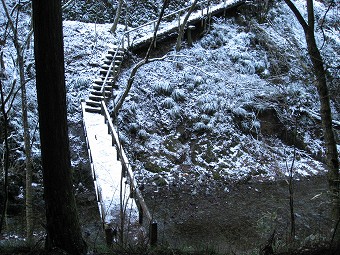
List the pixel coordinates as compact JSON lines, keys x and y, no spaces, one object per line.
{"x":103,"y":136}
{"x":103,"y":87}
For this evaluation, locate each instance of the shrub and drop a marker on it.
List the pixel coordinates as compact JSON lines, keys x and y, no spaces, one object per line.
{"x":134,"y":128}
{"x":80,"y":84}
{"x":163,"y":88}
{"x":175,"y":113}
{"x":178,"y":95}
{"x":208,"y":104}
{"x":142,"y":134}
{"x":200,"y":127}
{"x":168,"y":103}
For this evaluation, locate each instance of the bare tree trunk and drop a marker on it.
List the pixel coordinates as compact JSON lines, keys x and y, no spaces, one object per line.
{"x":28,"y":154}
{"x":63,"y":227}
{"x":27,"y":140}
{"x":5,"y":159}
{"x":325,"y":109}
{"x":117,"y":17}
{"x":182,"y":27}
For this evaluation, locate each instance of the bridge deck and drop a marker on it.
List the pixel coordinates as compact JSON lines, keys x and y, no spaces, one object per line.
{"x":107,"y":170}
{"x":142,"y":36}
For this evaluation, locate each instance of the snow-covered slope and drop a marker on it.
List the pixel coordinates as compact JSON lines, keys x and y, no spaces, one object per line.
{"x":227,"y":108}
{"x":230,"y":106}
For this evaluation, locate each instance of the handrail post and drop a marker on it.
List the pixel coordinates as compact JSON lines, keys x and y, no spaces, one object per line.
{"x":155,"y":42}
{"x":123,"y":168}
{"x":140,"y":214}
{"x":153,"y":233}
{"x":179,"y":22}
{"x":108,"y":128}
{"x":102,"y":109}
{"x":224,"y":8}
{"x":113,"y":140}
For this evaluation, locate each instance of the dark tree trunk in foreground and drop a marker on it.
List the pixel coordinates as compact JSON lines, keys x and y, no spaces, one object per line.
{"x":325,"y":109}
{"x":63,"y":229}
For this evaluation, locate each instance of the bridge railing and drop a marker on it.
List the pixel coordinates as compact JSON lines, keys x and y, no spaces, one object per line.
{"x":128,"y":173}
{"x":204,"y":6}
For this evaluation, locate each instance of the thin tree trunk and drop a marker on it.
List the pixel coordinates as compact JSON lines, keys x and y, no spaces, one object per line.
{"x":117,"y":17}
{"x":28,"y":154}
{"x":63,"y":227}
{"x":5,"y":159}
{"x":325,"y":109}
{"x":27,"y":140}
{"x":326,"y":120}
{"x":182,"y":27}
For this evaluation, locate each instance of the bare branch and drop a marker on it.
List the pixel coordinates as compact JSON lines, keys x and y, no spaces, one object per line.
{"x":310,"y":13}
{"x":66,"y":5}
{"x":11,"y":91}
{"x":298,"y":15}
{"x":119,"y":102}
{"x":165,"y":4}
{"x":6,"y":159}
{"x":322,"y":23}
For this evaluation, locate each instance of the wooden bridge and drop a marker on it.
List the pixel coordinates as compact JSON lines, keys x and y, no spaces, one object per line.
{"x":119,"y":199}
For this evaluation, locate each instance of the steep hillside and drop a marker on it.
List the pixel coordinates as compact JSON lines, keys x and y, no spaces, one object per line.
{"x":239,"y":104}
{"x":239,"y":107}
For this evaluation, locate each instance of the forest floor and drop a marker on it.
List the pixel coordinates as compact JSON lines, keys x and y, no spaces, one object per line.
{"x":238,"y":218}
{"x":233,"y":218}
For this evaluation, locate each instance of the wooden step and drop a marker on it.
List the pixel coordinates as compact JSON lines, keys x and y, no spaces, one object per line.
{"x":100,"y":81}
{"x":118,"y":57}
{"x":99,"y":87}
{"x":106,"y":67}
{"x":93,"y":109}
{"x":99,"y":93}
{"x":118,"y":62}
{"x":96,"y":98}
{"x":110,"y":82}
{"x":93,"y":103}
{"x":112,"y":79}
{"x":113,"y":51}
{"x":108,"y":87}
{"x":108,"y":62}
{"x":104,"y":72}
